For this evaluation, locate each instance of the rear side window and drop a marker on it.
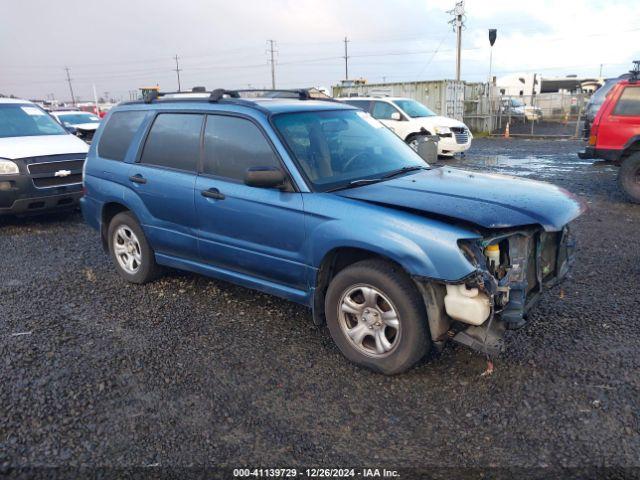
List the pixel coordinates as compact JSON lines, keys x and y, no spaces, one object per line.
{"x":174,"y":141}
{"x":118,"y":133}
{"x":383,"y":110}
{"x":232,"y":145}
{"x":629,"y":102}
{"x":362,"y":104}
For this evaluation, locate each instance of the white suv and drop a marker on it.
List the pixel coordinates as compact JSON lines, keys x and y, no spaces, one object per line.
{"x":410,"y":120}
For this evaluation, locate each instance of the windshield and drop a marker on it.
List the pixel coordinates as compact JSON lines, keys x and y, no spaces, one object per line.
{"x":25,"y":120}
{"x":78,"y":118}
{"x":414,"y":109}
{"x":335,"y":148}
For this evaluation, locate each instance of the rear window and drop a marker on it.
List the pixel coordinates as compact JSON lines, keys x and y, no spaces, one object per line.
{"x":118,"y":133}
{"x":174,"y":141}
{"x":629,"y":102}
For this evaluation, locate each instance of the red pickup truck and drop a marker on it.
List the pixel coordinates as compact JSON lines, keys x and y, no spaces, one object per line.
{"x":615,"y":133}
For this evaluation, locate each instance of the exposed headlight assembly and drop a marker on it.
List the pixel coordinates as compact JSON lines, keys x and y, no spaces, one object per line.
{"x":7,"y":167}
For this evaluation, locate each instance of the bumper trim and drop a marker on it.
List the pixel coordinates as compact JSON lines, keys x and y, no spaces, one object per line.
{"x":600,"y":153}
{"x":41,"y":204}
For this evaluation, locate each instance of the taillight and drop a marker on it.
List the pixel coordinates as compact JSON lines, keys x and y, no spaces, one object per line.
{"x":592,"y":139}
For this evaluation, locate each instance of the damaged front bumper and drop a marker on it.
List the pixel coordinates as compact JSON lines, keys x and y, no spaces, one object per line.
{"x":531,"y":261}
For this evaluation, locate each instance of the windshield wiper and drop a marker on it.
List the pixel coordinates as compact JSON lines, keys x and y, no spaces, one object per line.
{"x":355,"y":183}
{"x":368,"y":181}
{"x":404,"y":170}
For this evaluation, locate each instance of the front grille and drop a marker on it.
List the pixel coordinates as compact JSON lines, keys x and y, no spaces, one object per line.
{"x":54,"y":171}
{"x":53,"y":167}
{"x":57,"y":181}
{"x":461,"y":133}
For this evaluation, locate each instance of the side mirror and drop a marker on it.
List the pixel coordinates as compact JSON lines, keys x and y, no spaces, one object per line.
{"x":396,"y":116}
{"x":264,"y":177}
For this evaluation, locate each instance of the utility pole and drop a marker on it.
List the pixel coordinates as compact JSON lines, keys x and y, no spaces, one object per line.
{"x":178,"y":72}
{"x":458,"y":24}
{"x":273,"y":63}
{"x":73,"y":98}
{"x":346,"y":58}
{"x":600,"y":75}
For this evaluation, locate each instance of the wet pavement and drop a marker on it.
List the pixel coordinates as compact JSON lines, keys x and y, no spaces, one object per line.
{"x":189,"y":371}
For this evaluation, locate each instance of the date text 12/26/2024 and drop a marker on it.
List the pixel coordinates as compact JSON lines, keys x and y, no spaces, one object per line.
{"x":314,"y":473}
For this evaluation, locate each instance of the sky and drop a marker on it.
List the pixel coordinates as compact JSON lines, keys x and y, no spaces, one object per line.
{"x":121,"y":45}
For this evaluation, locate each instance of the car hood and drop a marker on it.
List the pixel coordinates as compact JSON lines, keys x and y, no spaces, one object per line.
{"x":439,"y":121}
{"x":89,"y":127}
{"x":486,"y":200}
{"x":37,"y":146}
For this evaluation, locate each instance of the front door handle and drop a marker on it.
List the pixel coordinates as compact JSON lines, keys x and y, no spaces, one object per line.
{"x":137,"y":178}
{"x":213,"y":193}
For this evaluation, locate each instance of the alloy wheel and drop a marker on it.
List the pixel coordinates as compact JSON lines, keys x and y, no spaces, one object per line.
{"x":369,"y":320}
{"x":126,"y":248}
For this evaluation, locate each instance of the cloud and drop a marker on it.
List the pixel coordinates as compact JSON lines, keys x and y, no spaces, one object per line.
{"x":121,"y":45}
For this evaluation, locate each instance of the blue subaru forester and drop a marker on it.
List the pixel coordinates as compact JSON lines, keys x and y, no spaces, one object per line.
{"x":316,"y":202}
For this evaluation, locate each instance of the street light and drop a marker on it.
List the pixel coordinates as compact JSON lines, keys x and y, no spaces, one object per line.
{"x":493,"y":33}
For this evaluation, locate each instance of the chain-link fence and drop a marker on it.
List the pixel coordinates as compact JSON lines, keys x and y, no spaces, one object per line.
{"x":545,"y":114}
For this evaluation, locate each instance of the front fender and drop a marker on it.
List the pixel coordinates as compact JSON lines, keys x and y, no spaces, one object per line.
{"x":422,"y":246}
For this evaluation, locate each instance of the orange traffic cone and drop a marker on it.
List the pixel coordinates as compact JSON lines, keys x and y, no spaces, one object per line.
{"x":506,"y":131}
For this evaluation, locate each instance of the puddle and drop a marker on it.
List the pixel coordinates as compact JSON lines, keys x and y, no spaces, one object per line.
{"x":538,"y":165}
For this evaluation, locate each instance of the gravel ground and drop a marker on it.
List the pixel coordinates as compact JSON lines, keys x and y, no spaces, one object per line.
{"x":189,"y":371}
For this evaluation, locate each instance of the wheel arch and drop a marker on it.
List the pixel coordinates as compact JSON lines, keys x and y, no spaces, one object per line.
{"x":424,"y":131}
{"x":632,"y":146}
{"x":332,"y":263}
{"x":110,"y":210}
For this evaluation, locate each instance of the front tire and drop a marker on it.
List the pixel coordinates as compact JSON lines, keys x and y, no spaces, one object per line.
{"x":130,"y":251}
{"x":629,"y":177}
{"x":377,"y":317}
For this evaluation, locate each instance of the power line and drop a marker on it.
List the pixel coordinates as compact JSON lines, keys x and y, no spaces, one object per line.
{"x":73,"y":98}
{"x":178,"y":72}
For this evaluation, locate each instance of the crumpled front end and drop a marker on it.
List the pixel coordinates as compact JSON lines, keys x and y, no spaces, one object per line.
{"x":512,"y":269}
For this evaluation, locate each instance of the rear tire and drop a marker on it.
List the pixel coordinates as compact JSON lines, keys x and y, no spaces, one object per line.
{"x":629,"y":177}
{"x":377,"y":317}
{"x":130,"y":251}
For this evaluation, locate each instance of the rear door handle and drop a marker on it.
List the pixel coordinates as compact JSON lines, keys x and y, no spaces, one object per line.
{"x":138,"y":178}
{"x":213,"y":193}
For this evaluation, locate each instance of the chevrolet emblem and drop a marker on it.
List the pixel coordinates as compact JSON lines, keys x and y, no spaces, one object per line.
{"x":62,"y":173}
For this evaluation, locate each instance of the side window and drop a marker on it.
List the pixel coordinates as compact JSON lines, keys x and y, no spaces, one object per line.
{"x":118,"y":133}
{"x":383,"y":110}
{"x":232,"y":145}
{"x":174,"y":141}
{"x":362,"y":104}
{"x":629,"y":102}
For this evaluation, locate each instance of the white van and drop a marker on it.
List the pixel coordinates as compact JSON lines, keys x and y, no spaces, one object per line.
{"x":410,"y":120}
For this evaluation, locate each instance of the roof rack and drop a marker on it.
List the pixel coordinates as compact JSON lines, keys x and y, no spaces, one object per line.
{"x":241,"y":97}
